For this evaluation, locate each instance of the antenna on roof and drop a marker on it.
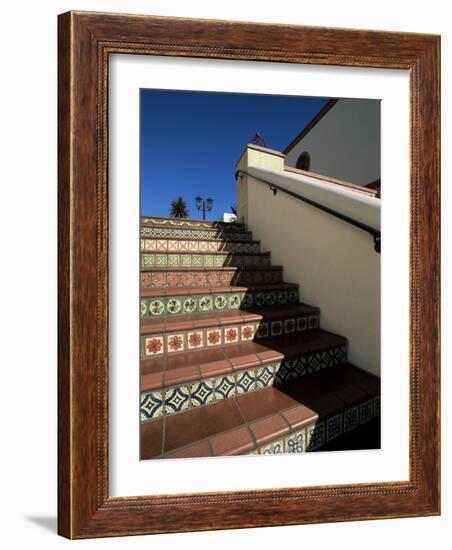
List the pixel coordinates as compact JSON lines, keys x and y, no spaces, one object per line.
{"x":259,"y":140}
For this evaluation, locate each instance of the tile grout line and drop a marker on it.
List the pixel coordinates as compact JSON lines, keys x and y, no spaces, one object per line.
{"x":253,"y":439}
{"x":163,"y":435}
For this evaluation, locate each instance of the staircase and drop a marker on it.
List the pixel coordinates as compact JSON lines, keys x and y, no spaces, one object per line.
{"x":231,"y":361}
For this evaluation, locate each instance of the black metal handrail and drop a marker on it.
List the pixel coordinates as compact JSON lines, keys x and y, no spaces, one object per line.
{"x":376,"y":234}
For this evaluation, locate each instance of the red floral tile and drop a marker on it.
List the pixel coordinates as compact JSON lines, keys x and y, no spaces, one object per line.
{"x":153,"y":345}
{"x":231,"y":335}
{"x":213,"y":337}
{"x":247,"y":332}
{"x":175,"y":342}
{"x":195,"y":340}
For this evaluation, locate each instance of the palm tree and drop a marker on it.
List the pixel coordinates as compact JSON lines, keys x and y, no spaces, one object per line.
{"x":178,"y":208}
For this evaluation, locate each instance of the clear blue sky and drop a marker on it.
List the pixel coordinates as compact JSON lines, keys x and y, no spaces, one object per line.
{"x":191,"y":141}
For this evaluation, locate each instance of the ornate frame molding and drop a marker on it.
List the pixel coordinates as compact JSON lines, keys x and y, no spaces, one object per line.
{"x":85,"y":42}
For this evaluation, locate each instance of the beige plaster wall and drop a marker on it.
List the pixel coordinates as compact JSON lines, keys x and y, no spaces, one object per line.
{"x":334,"y":263}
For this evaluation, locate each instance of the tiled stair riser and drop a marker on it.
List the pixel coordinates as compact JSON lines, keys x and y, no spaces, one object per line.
{"x":315,"y":436}
{"x":155,"y":307}
{"x":296,"y":367}
{"x":187,"y":395}
{"x":204,"y":260}
{"x":194,"y":246}
{"x":155,"y":345}
{"x":225,"y":277}
{"x":168,"y":232}
{"x":176,"y":399}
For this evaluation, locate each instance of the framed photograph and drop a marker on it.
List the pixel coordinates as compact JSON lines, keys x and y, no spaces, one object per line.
{"x":248,"y":275}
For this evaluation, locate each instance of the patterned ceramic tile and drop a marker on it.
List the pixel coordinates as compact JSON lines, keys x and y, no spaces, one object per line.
{"x":150,"y":245}
{"x":247,"y":332}
{"x":245,"y":381}
{"x":302,"y":324}
{"x":276,"y":328}
{"x":195,"y":339}
{"x":334,"y":427}
{"x":262,"y":330}
{"x":156,"y":307}
{"x":231,"y":335}
{"x":177,"y":399}
{"x":202,"y":392}
{"x":154,"y":346}
{"x":189,"y":305}
{"x":296,"y":442}
{"x":315,"y":436}
{"x":173,"y":305}
{"x":206,"y":303}
{"x":194,"y":303}
{"x":366,"y":411}
{"x":264,"y":376}
{"x":175,"y":222}
{"x":221,"y":302}
{"x":289,"y":326}
{"x":310,"y":363}
{"x":159,"y":260}
{"x":270,"y":298}
{"x":162,"y":232}
{"x":351,"y":419}
{"x":313,"y":321}
{"x":377,"y":405}
{"x":152,"y":405}
{"x":175,"y":342}
{"x":225,"y":387}
{"x":273,"y":448}
{"x":259,"y":298}
{"x":213,"y":337}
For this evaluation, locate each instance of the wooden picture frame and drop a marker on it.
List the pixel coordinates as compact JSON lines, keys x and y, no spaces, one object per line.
{"x":86,"y":40}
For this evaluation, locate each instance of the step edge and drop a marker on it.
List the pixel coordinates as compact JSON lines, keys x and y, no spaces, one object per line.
{"x":234,"y":366}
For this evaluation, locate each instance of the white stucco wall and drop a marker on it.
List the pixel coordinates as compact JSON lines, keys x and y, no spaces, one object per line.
{"x":345,"y":143}
{"x":334,"y":263}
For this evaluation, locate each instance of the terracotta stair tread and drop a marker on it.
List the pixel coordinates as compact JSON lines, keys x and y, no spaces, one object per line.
{"x":169,"y":323}
{"x":243,"y":423}
{"x":185,"y":291}
{"x":194,"y":365}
